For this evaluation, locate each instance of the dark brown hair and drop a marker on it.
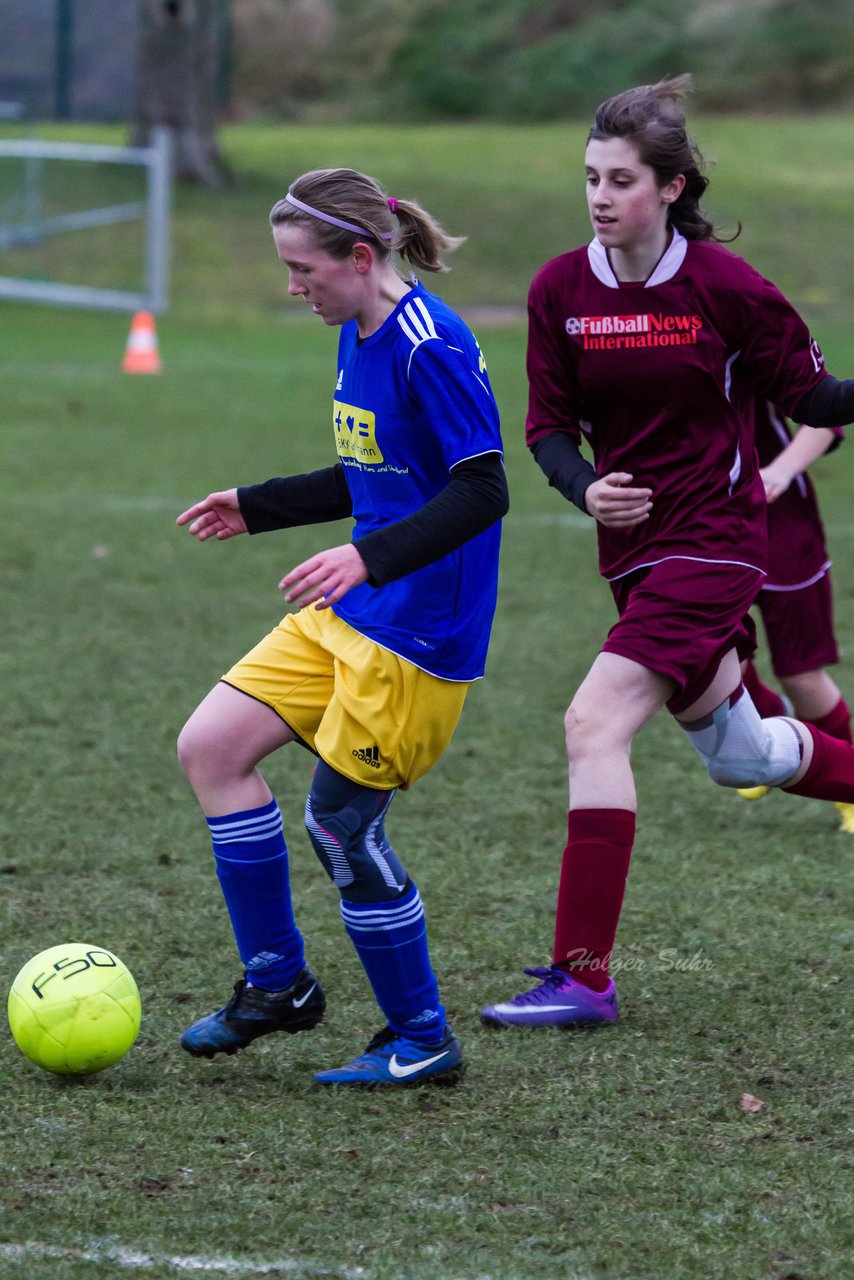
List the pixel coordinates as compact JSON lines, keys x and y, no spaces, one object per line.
{"x":651,"y":117}
{"x":395,"y":225}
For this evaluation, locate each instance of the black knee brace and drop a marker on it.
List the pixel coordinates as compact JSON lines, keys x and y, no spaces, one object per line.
{"x":345,"y":823}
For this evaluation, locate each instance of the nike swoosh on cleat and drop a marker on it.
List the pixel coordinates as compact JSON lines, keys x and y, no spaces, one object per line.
{"x":400,"y":1073}
{"x":542,"y":1008}
{"x":298,"y":1004}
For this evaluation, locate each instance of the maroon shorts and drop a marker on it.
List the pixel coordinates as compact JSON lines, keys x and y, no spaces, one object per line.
{"x":799,"y":628}
{"x":680,"y":618}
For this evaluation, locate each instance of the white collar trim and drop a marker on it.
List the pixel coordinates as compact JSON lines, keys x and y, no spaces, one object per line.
{"x":666,"y":268}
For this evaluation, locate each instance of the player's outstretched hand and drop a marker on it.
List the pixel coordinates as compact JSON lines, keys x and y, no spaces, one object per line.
{"x":613,"y":503}
{"x":216,"y":516}
{"x":325,"y":577}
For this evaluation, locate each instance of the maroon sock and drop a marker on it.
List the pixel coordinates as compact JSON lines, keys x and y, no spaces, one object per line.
{"x":592,"y":883}
{"x":837,"y":722}
{"x":830,"y":775}
{"x":765,"y":700}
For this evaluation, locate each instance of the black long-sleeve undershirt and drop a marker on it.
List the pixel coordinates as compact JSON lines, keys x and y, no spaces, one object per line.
{"x":560,"y":458}
{"x":287,"y":501}
{"x":473,"y":499}
{"x":829,"y":404}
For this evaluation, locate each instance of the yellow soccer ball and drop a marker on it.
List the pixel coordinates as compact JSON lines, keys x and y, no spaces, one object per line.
{"x":74,"y":1009}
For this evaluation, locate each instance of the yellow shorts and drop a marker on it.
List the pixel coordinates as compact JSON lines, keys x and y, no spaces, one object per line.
{"x":371,"y":715}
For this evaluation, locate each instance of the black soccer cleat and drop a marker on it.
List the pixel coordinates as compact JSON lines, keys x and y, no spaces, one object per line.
{"x":252,"y":1012}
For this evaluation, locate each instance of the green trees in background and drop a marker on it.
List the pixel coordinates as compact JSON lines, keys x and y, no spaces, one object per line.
{"x":532,"y":59}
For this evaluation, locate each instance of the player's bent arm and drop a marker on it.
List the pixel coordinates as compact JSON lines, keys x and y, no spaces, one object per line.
{"x":560,"y":458}
{"x":611,"y":501}
{"x":829,"y":404}
{"x":287,"y":501}
{"x":473,"y":499}
{"x":807,"y":445}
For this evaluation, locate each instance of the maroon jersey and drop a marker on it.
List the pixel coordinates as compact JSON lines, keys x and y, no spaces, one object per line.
{"x":797,"y":553}
{"x":660,"y":377}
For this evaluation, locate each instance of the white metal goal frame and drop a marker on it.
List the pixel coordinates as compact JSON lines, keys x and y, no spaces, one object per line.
{"x":32,"y":226}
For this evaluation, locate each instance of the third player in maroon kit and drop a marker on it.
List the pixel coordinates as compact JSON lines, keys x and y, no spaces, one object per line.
{"x":651,"y":344}
{"x":796,"y":602}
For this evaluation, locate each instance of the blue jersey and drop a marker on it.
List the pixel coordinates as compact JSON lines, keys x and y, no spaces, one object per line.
{"x":412,"y":401}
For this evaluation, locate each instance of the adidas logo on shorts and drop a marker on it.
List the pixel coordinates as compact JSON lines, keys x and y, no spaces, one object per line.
{"x":368,"y":755}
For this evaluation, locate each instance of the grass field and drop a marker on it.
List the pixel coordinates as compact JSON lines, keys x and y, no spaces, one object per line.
{"x":618,"y":1155}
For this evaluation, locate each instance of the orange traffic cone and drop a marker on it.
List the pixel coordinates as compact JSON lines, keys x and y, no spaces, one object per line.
{"x":141,"y":355}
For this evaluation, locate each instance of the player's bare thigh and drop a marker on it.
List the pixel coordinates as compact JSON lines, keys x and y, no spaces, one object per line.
{"x":726,"y":681}
{"x":614,"y":701}
{"x":228,"y":734}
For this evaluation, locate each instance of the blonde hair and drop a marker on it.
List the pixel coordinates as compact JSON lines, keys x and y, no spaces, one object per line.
{"x":350,"y":197}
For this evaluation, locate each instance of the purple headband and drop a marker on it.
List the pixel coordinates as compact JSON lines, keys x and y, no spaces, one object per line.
{"x":335,"y":222}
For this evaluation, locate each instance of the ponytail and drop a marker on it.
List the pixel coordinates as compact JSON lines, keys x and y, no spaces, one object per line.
{"x":420,"y":239}
{"x":343,"y":206}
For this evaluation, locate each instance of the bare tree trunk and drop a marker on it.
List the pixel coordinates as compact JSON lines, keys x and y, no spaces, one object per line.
{"x":176,"y":84}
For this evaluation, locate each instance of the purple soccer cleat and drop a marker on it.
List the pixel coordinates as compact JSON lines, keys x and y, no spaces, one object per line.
{"x":559,"y":1001}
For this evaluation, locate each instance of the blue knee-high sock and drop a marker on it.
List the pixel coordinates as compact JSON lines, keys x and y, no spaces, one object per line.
{"x":391,"y":941}
{"x":252,"y":868}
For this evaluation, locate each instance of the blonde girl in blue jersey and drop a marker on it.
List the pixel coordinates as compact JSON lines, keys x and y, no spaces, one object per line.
{"x":392,"y":627}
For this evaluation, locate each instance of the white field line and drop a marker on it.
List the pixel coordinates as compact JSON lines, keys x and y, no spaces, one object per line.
{"x":118,"y":502}
{"x":557,"y":519}
{"x":129,"y":502}
{"x":112,"y":502}
{"x":135,"y":1260}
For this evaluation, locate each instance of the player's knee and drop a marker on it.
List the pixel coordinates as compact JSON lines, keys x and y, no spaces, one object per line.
{"x":576,"y":728}
{"x":810,"y":687}
{"x":330,"y":839}
{"x":191,"y":749}
{"x":357,"y":858}
{"x":345,"y":824}
{"x":584,"y":731}
{"x":205,"y":757}
{"x":734,"y":773}
{"x":741,"y":750}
